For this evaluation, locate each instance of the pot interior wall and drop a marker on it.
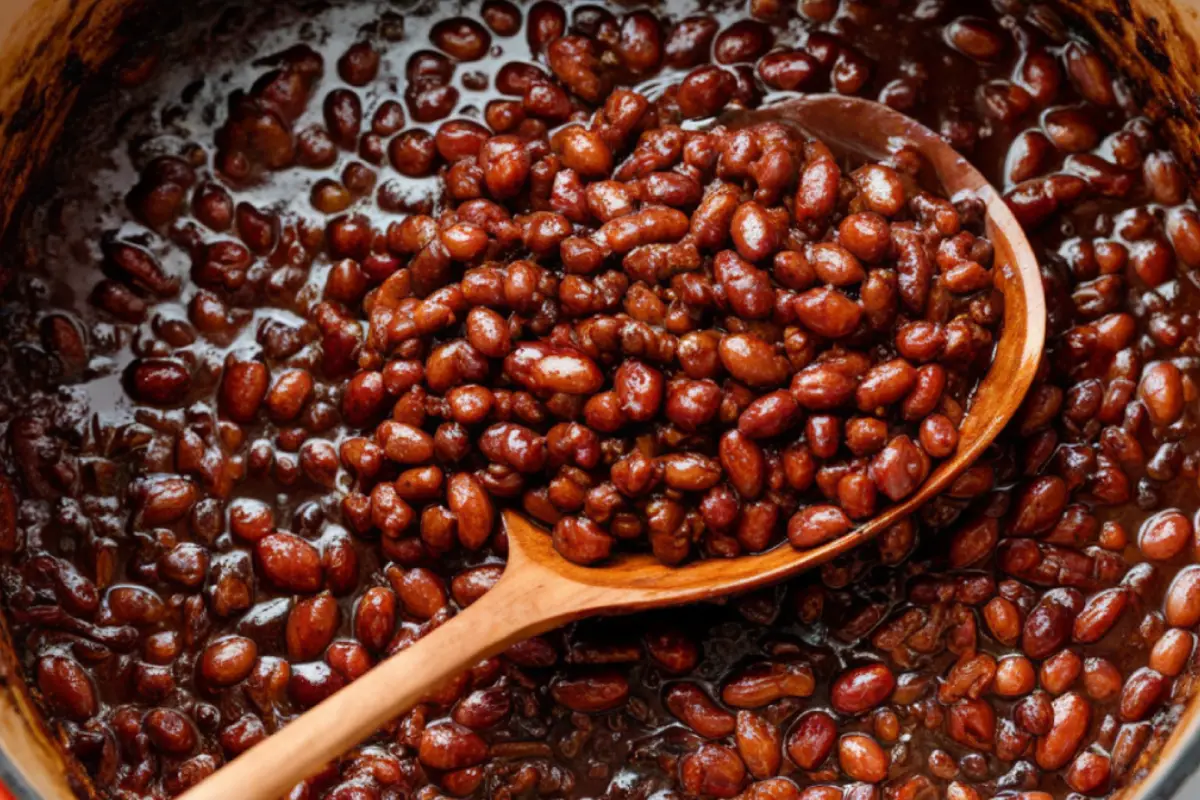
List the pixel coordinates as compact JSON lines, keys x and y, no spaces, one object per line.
{"x":50,"y":49}
{"x":53,"y":47}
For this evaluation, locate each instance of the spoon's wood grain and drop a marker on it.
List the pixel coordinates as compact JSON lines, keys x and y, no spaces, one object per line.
{"x":540,"y":590}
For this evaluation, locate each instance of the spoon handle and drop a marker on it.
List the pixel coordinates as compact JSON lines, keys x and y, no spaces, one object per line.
{"x":512,"y":610}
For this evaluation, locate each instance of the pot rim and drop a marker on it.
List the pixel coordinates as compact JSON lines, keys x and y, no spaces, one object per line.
{"x":14,"y":780}
{"x":1179,"y":761}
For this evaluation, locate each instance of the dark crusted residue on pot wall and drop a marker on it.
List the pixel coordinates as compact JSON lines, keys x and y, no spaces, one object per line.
{"x":67,"y":47}
{"x":1148,"y":44}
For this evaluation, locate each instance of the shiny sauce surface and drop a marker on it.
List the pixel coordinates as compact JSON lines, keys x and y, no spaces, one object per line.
{"x":253,"y":443}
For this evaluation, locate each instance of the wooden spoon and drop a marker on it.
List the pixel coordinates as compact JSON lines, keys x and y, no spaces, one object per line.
{"x":540,"y":590}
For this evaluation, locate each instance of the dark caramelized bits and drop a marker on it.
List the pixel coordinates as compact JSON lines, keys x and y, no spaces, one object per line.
{"x":415,"y":274}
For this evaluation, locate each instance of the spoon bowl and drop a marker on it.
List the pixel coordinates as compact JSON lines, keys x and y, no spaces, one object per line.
{"x":541,"y":590}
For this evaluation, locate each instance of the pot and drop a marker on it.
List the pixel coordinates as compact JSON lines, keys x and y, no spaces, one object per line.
{"x":51,"y":47}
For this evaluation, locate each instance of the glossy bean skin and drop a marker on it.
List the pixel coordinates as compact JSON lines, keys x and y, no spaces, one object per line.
{"x":511,"y":281}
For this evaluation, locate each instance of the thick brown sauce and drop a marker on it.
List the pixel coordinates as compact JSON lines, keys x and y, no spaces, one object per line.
{"x":846,"y":614}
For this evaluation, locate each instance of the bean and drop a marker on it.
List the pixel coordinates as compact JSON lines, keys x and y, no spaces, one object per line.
{"x":769,"y":415}
{"x":313,"y":682}
{"x":692,"y":403}
{"x":747,"y":288}
{"x":972,"y":723}
{"x":66,"y":686}
{"x":1101,"y":679}
{"x":817,"y":192}
{"x":899,"y":468}
{"x":1182,"y":605}
{"x":827,"y":312}
{"x":1040,"y":504}
{"x":448,"y":746}
{"x":585,"y":152}
{"x":789,"y":70}
{"x":712,"y":770}
{"x":755,"y":232}
{"x":1047,"y":625}
{"x":751,"y":360}
{"x":765,"y":683}
{"x":228,"y":660}
{"x":375,"y":618}
{"x":581,"y":540}
{"x":462,"y":38}
{"x":289,"y":562}
{"x":705,"y":91}
{"x":1161,"y":390}
{"x":1089,"y":74}
{"x":502,"y":17}
{"x":1170,"y":654}
{"x":1072,"y":715}
{"x":1060,"y":671}
{"x":405,"y":443}
{"x":1014,"y":676}
{"x":1088,"y":773}
{"x":744,"y":464}
{"x":473,"y":509}
{"x":1070,"y":130}
{"x":689,"y":41}
{"x":505,"y":164}
{"x":286,"y":398}
{"x":885,"y":384}
{"x":158,"y":381}
{"x":938,"y":436}
{"x":639,"y":390}
{"x":699,"y":712}
{"x":816,"y":525}
{"x":822,"y":387}
{"x":1099,"y":615}
{"x":1165,"y":535}
{"x":860,"y":689}
{"x":865,"y":235}
{"x":545,"y":23}
{"x":861,"y":758}
{"x":758,"y":744}
{"x":170,"y":731}
{"x":743,"y":41}
{"x":570,"y":373}
{"x":1143,"y":691}
{"x":835,"y":264}
{"x":598,"y":693}
{"x":974,"y":37}
{"x":812,"y":739}
{"x":311,"y":626}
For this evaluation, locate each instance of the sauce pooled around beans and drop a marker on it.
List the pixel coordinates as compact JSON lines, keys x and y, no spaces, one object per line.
{"x":311,"y":294}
